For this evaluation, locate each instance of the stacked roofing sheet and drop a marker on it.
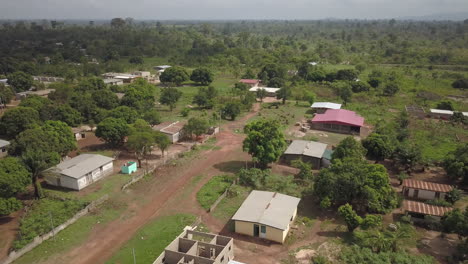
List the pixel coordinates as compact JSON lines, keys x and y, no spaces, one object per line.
{"x":424,"y":185}
{"x":426,"y":209}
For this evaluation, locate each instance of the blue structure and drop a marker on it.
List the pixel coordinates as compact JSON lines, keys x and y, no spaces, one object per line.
{"x":129,"y":167}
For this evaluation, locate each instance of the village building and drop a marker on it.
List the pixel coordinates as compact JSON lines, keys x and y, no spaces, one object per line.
{"x":198,"y":248}
{"x":340,"y":121}
{"x":113,"y":81}
{"x":322,"y":107}
{"x":424,"y":190}
{"x":415,"y":110}
{"x":251,"y":82}
{"x":270,"y":92}
{"x":174,"y":130}
{"x":124,"y":77}
{"x":312,"y":152}
{"x":41,"y":93}
{"x":418,"y":210}
{"x":443,"y":114}
{"x":80,"y":171}
{"x":79,"y":133}
{"x":266,"y":215}
{"x":161,"y":68}
{"x":48,"y":79}
{"x":4,"y":148}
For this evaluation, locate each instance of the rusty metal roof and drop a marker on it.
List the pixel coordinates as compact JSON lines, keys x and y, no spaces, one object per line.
{"x":424,"y":185}
{"x":423,"y":208}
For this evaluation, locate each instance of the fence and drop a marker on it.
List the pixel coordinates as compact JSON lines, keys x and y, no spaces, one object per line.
{"x":221,"y":197}
{"x":39,"y":239}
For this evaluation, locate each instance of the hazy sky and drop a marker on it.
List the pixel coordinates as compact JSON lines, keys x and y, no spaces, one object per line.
{"x":226,"y":9}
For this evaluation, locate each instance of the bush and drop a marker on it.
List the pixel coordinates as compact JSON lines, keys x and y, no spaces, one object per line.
{"x":453,"y":196}
{"x":42,"y":215}
{"x":213,"y":189}
{"x":439,"y":202}
{"x":371,"y":221}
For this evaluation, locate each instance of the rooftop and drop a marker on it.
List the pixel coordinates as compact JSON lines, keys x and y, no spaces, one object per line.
{"x":327,"y":105}
{"x":445,"y":112}
{"x":307,"y":148}
{"x":268,"y":89}
{"x":339,"y":116}
{"x":268,"y":208}
{"x":81,"y":165}
{"x":423,"y":208}
{"x":424,"y":185}
{"x":169,"y":127}
{"x":4,"y":143}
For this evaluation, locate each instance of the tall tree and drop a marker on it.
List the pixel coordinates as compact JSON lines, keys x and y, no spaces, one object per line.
{"x":37,"y":161}
{"x":379,"y":147}
{"x":202,"y":76}
{"x":113,"y":130}
{"x":170,"y":96}
{"x":284,"y":94}
{"x":196,"y":126}
{"x":20,"y":81}
{"x":174,"y":75}
{"x":141,"y":143}
{"x":349,"y":148}
{"x":265,"y":141}
{"x":18,"y":119}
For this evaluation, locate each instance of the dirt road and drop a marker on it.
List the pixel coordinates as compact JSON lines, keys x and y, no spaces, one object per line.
{"x":160,"y":193}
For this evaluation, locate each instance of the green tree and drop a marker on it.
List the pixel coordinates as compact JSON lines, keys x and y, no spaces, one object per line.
{"x":205,"y":98}
{"x":460,"y":84}
{"x":349,"y":148}
{"x":162,"y":141}
{"x":456,"y":221}
{"x":271,"y":71}
{"x":20,"y":81}
{"x":6,"y":94}
{"x":36,"y":102}
{"x":152,"y":117}
{"x":261,"y":93}
{"x":170,"y":96}
{"x":9,"y":205}
{"x":305,"y":169}
{"x":390,"y":89}
{"x":379,"y":147}
{"x":141,"y":143}
{"x":453,"y":196}
{"x":276,"y":82}
{"x":14,"y":177}
{"x":407,"y":155}
{"x":196,"y":126}
{"x":265,"y":141}
{"x":113,"y":130}
{"x":124,"y":112}
{"x":18,"y":119}
{"x":37,"y":161}
{"x":105,"y":99}
{"x":61,"y":112}
{"x":456,"y":163}
{"x":174,"y":75}
{"x":349,"y":215}
{"x":202,"y":76}
{"x":284,"y":94}
{"x":347,"y":75}
{"x":231,"y":110}
{"x":136,"y":60}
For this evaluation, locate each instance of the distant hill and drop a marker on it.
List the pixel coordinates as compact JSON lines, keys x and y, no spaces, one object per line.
{"x":460,"y":16}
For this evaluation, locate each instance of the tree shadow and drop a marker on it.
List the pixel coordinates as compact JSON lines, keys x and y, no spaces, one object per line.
{"x":5,"y":219}
{"x":233,"y":166}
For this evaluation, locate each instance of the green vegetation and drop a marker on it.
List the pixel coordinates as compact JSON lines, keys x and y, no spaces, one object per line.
{"x":229,"y":205}
{"x":150,"y":241}
{"x":213,"y":189}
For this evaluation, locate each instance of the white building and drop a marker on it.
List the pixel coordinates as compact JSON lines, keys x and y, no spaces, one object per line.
{"x":271,"y":92}
{"x":322,"y":107}
{"x":4,"y":148}
{"x":443,"y":114}
{"x":162,"y":68}
{"x":80,"y":171}
{"x":113,"y":81}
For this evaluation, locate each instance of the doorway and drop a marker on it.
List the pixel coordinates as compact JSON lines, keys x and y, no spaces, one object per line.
{"x":256,"y":230}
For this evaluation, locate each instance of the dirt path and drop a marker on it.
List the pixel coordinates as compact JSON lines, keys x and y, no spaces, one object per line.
{"x":161,"y":193}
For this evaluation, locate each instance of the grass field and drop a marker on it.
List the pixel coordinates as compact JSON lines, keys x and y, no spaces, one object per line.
{"x":211,"y":191}
{"x":150,"y":241}
{"x":229,"y":205}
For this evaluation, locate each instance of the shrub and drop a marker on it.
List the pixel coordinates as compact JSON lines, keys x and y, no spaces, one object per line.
{"x":439,"y":202}
{"x":213,"y":189}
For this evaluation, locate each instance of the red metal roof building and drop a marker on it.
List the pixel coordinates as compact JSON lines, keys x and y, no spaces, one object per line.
{"x":338,"y":120}
{"x":425,"y":209}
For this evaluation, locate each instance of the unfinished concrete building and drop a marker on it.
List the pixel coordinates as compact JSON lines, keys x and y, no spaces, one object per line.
{"x":194,"y":247}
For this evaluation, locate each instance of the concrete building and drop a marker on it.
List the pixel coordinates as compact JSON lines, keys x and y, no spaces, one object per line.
{"x":443,"y":114}
{"x":161,"y":68}
{"x":270,"y":92}
{"x":42,"y":93}
{"x":194,"y":247}
{"x":251,"y":82}
{"x":266,"y":215}
{"x":418,"y":210}
{"x":124,"y":77}
{"x":4,"y":148}
{"x":424,"y":190}
{"x":79,"y":133}
{"x":340,"y":121}
{"x":322,"y":107}
{"x":174,"y":130}
{"x":415,"y":110}
{"x":113,"y":81}
{"x":80,"y":171}
{"x":315,"y":153}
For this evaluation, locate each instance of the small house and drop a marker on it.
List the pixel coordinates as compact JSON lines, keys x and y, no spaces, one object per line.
{"x":322,"y":107}
{"x":174,"y":130}
{"x":4,"y":148}
{"x":250,"y":82}
{"x":79,"y":133}
{"x":270,"y":92}
{"x":311,"y":152}
{"x":162,"y":68}
{"x":129,"y":167}
{"x":339,"y":121}
{"x":80,"y":171}
{"x":195,"y":247}
{"x":143,"y":74}
{"x":266,"y":215}
{"x":113,"y":81}
{"x":418,"y":210}
{"x":424,"y":190}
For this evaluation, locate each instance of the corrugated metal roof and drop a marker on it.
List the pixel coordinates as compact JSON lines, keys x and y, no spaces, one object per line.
{"x":306,"y":148}
{"x":327,"y":105}
{"x":339,"y":116}
{"x":4,"y":143}
{"x":424,"y":185}
{"x":267,"y":208}
{"x":81,"y":165}
{"x":423,"y":208}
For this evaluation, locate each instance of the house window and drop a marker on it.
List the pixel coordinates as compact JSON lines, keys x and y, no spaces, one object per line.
{"x":263,"y":229}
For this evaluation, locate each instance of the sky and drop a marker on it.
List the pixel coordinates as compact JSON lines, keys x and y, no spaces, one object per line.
{"x":226,"y":9}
